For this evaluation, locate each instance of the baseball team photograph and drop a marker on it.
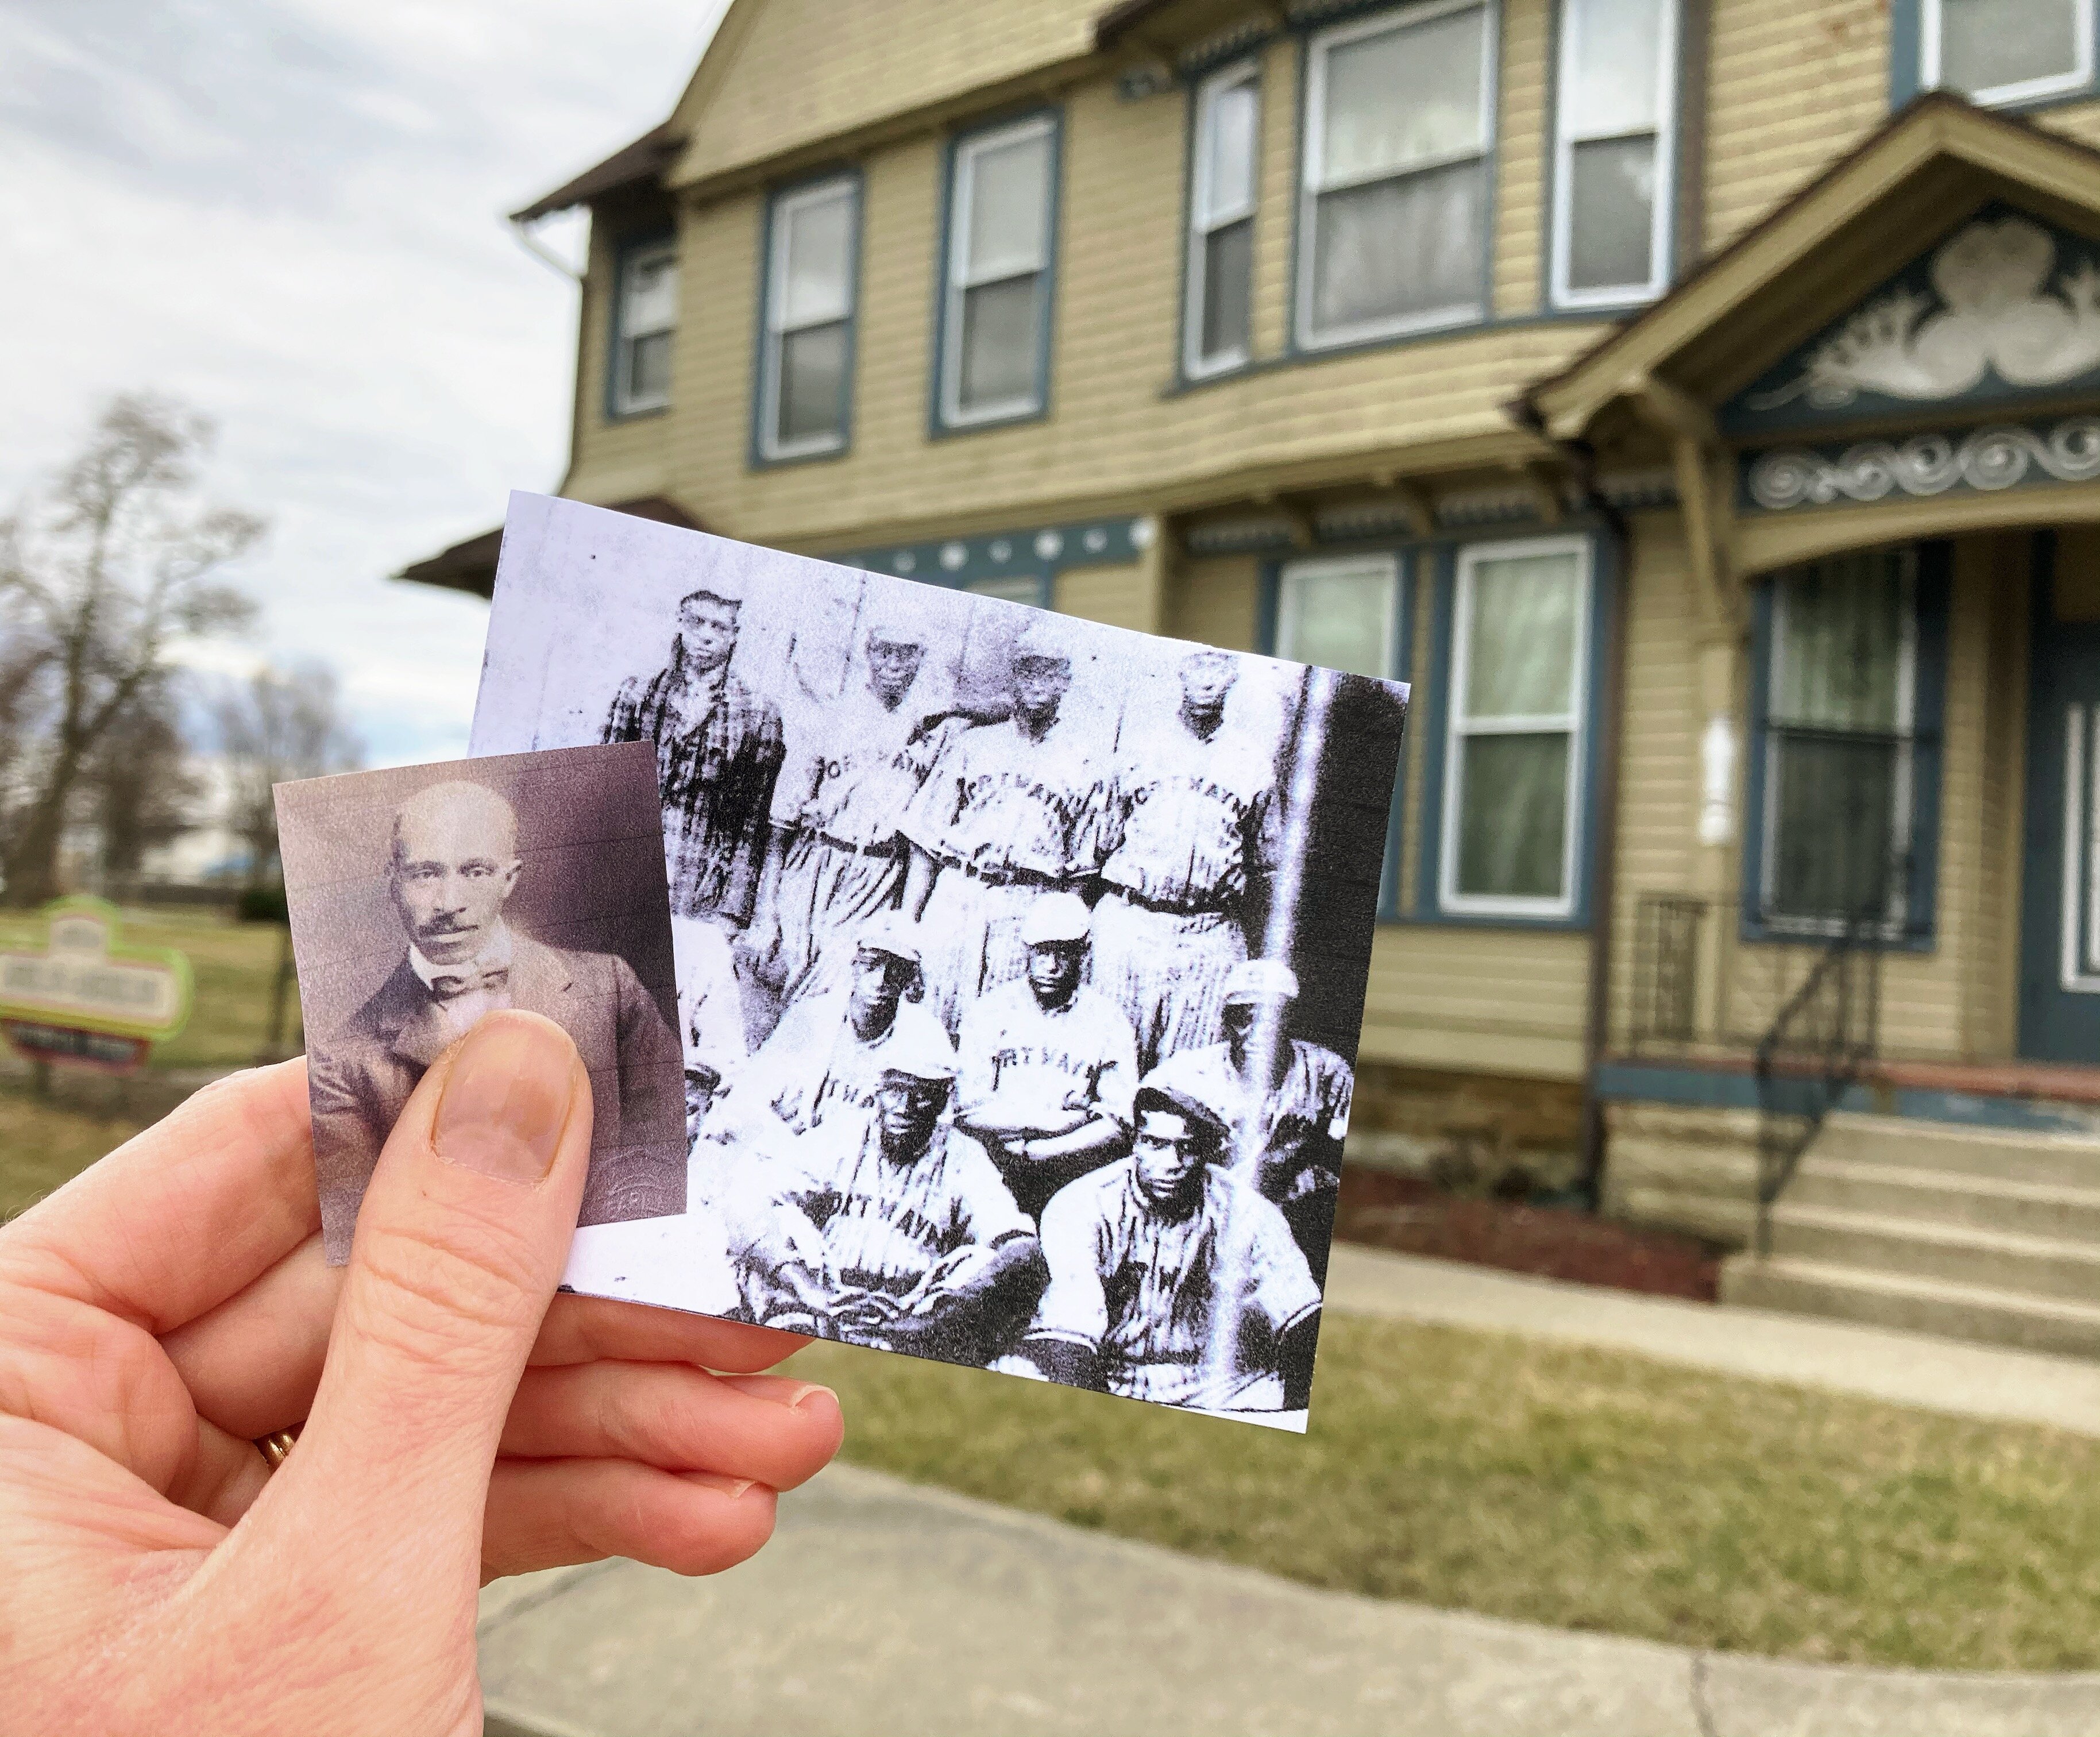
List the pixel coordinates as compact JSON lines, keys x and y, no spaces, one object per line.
{"x":1019,"y":959}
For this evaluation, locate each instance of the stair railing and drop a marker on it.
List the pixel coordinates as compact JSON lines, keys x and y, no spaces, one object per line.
{"x":1813,"y":1053}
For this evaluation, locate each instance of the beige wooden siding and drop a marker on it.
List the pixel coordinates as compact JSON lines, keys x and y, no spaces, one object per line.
{"x":624,"y":458}
{"x":2079,"y":121}
{"x":1119,"y":596}
{"x":1278,"y":217}
{"x":786,"y":73}
{"x":1213,"y":601}
{"x":1492,"y":1001}
{"x":1990,"y":991}
{"x":1519,"y":202}
{"x":1792,"y":88}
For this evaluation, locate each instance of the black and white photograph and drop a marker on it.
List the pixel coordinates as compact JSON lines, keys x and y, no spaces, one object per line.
{"x":1020,"y":959}
{"x":422,"y":897}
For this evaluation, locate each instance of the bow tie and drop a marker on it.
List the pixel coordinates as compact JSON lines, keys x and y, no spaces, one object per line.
{"x":451,"y":985}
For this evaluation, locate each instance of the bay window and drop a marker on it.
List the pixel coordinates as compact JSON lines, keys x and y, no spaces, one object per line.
{"x":1517,"y":695}
{"x":995,"y":302}
{"x":1342,"y":613}
{"x":1615,"y":117}
{"x":1393,"y":213}
{"x":645,"y":316}
{"x":1217,"y":321}
{"x":812,"y":237}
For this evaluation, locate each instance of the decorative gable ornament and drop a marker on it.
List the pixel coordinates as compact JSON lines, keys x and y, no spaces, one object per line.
{"x":2004,"y":307}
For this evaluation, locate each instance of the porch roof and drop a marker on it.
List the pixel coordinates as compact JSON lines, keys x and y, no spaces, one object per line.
{"x":1929,"y":169}
{"x":471,"y":564}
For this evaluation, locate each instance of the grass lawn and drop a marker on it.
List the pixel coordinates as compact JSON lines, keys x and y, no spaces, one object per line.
{"x":44,"y":1145}
{"x":234,"y":965}
{"x":1583,"y":1489}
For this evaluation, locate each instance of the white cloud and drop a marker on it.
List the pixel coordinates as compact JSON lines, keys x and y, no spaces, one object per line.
{"x":288,"y":214}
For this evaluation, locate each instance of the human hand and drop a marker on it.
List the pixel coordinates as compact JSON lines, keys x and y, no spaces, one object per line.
{"x":171,"y":1304}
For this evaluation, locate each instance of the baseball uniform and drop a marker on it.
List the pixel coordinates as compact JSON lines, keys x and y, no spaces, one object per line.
{"x":1186,"y":1311}
{"x":1036,"y":1066}
{"x":840,"y":798}
{"x":1007,"y":817}
{"x":1188,"y":824}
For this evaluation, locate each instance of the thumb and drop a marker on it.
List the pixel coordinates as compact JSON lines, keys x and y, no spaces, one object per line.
{"x":461,"y":1242}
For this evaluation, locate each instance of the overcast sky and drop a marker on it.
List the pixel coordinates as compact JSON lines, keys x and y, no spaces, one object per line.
{"x":288,"y":214}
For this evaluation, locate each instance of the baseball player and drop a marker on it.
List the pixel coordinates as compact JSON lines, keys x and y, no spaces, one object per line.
{"x":1049,"y":1065}
{"x":1287,"y":1101}
{"x":893,"y":1230}
{"x":826,"y":1054}
{"x":836,"y":861}
{"x":1009,"y":811}
{"x":1172,"y":1280}
{"x":1190,"y":840}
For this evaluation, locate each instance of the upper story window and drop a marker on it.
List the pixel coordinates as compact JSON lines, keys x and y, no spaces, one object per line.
{"x":1399,"y":132}
{"x":803,"y":391}
{"x":1217,"y":325}
{"x":1342,"y":613}
{"x":1615,"y":113}
{"x":645,"y":315}
{"x":2006,"y":50}
{"x":995,"y":301}
{"x":1519,"y":669}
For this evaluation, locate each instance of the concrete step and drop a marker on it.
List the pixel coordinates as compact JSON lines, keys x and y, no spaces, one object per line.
{"x":1959,"y":1254}
{"x":1940,"y":1196}
{"x":1981,"y":1314}
{"x":2003,"y":1154}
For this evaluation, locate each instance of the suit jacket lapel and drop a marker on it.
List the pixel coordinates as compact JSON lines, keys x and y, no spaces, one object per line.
{"x":539,"y":979}
{"x":412,"y":1025}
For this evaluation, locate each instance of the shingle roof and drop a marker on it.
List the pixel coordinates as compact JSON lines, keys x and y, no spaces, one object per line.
{"x":643,"y":160}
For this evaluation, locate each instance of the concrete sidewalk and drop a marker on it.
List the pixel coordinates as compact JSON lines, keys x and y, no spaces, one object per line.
{"x":880,"y":1607}
{"x":1906,"y":1369}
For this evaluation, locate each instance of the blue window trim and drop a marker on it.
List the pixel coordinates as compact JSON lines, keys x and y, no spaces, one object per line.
{"x":1907,"y":64}
{"x":1432,"y":710}
{"x":624,"y":251}
{"x":1305,"y":27}
{"x":938,"y":427}
{"x":1668,"y":186}
{"x":756,"y":456}
{"x":1267,"y":606}
{"x":1928,"y":726}
{"x":1254,"y":58}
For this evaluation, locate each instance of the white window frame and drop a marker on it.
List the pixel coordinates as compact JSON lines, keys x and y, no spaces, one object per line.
{"x":625,"y":402}
{"x":1289,"y":605}
{"x":956,"y":283}
{"x":1204,"y":221}
{"x":1311,"y":182}
{"x":1457,"y":728}
{"x":1662,"y":220}
{"x":2079,"y":78}
{"x":1903,"y":810}
{"x":780,"y":227}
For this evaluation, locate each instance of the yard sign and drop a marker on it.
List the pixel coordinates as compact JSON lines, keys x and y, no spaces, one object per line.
{"x":87,"y":1000}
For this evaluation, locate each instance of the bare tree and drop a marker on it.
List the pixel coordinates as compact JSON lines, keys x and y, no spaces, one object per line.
{"x":278,"y":725}
{"x":141,"y":789}
{"x":96,"y":581}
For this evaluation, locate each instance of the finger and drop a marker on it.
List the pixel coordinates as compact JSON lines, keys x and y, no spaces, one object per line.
{"x":769,"y":1428}
{"x":224,"y":1476}
{"x":547,"y":1513}
{"x":580,"y":1328}
{"x":460,"y":1243}
{"x":252,"y":1364}
{"x":179,"y":1218}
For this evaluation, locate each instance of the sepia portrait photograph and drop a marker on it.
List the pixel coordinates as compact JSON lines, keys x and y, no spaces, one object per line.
{"x":423,"y":898}
{"x":1020,"y":959}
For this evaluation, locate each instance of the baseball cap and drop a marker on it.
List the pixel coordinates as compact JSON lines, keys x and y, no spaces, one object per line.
{"x":919,"y":1051}
{"x":1056,"y":917}
{"x":1189,"y":1091}
{"x":891,"y":934}
{"x":1040,"y":639}
{"x":1258,"y":979}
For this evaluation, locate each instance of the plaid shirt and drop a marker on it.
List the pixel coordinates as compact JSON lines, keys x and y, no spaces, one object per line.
{"x":716,"y":772}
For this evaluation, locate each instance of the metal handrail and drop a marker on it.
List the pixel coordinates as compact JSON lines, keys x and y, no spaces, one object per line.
{"x":1813,"y":1053}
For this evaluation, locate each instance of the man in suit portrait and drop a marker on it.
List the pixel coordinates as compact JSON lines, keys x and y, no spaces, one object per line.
{"x":452,"y":865}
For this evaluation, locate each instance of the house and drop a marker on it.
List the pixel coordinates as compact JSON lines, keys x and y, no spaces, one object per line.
{"x":1698,"y":400}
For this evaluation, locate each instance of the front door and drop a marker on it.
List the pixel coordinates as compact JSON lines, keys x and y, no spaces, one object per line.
{"x":2060,"y":918}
